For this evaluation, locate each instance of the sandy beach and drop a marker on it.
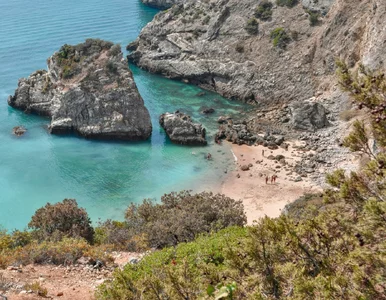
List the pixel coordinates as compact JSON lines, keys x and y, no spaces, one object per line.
{"x":250,"y":186}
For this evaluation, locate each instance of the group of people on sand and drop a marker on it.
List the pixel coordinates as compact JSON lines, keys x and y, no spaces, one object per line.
{"x":273,"y":179}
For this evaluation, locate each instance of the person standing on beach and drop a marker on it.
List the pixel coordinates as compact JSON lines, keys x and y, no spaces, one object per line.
{"x":262,"y":152}
{"x":266,"y":179}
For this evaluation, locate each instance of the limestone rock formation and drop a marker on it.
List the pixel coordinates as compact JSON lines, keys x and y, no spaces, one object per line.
{"x":88,"y":89}
{"x":161,"y":4}
{"x":308,"y":116}
{"x":206,"y":43}
{"x":181,"y":129}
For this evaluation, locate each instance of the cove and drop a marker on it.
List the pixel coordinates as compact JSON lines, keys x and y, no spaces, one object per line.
{"x":104,"y":177}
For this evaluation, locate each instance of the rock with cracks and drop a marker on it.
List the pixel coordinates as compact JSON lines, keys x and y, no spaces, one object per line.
{"x":181,"y":129}
{"x":89,"y":90}
{"x":308,"y":116}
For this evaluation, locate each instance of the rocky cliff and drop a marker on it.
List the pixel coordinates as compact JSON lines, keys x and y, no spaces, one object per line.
{"x":161,"y":4}
{"x":88,"y":89}
{"x":260,"y":52}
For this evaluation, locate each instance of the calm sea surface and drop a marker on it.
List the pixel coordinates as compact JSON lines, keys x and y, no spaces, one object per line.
{"x":104,"y":177}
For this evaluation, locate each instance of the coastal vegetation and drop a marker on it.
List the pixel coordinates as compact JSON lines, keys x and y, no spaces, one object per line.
{"x":61,"y":233}
{"x":332,"y":249}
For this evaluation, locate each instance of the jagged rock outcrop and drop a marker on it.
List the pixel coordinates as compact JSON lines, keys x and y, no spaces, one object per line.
{"x":181,"y":129}
{"x":88,"y":89}
{"x":161,"y":4}
{"x":205,"y":43}
{"x":320,"y":6}
{"x":308,"y":116}
{"x":235,"y":132}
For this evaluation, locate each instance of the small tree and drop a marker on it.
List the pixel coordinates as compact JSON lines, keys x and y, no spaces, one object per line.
{"x":182,"y":216}
{"x":54,"y":221}
{"x":252,"y":26}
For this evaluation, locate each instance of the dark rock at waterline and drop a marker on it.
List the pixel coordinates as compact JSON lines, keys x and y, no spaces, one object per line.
{"x":160,"y":4}
{"x":181,"y":129}
{"x":235,"y":132}
{"x":207,"y":111}
{"x":19,"y":130}
{"x":88,"y":89}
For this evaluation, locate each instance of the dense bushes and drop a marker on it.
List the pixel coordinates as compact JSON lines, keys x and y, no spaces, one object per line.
{"x":65,"y":252}
{"x":182,"y":216}
{"x":54,"y":221}
{"x":330,"y":256}
{"x":69,"y":57}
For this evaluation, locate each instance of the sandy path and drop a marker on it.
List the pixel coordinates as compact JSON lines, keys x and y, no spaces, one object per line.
{"x":259,"y":198}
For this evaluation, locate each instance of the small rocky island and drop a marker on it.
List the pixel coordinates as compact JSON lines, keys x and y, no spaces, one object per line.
{"x":89,"y":90}
{"x":181,"y":129}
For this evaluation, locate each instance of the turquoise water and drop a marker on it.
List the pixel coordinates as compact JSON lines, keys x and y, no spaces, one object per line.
{"x":104,"y":177}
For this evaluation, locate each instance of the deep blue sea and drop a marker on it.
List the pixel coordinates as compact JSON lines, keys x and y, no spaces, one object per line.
{"x":104,"y":177}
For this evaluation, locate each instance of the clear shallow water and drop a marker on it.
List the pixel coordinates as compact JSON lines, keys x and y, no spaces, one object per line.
{"x":104,"y":177}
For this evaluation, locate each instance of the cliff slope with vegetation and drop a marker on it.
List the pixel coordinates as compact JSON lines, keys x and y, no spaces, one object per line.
{"x":260,"y":51}
{"x":330,"y":249}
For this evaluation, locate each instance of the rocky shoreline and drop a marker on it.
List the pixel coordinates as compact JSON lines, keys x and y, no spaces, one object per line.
{"x":208,"y":44}
{"x":89,"y":90}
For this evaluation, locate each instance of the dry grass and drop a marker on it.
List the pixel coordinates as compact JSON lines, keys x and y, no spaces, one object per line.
{"x":349,"y":114}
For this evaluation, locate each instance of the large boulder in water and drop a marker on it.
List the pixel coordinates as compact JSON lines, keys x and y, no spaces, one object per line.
{"x":89,"y":90}
{"x":181,"y":129}
{"x":308,"y":116}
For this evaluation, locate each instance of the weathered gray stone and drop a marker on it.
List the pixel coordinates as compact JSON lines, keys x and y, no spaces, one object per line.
{"x":181,"y":129}
{"x":308,"y":116}
{"x":89,"y":90}
{"x":321,"y":6}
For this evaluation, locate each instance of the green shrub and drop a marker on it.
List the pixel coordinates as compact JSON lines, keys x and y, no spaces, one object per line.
{"x":182,"y":216}
{"x":252,"y":26}
{"x":36,"y":288}
{"x":188,"y":269}
{"x":288,"y":3}
{"x":65,"y":218}
{"x":279,"y":37}
{"x":313,"y":17}
{"x":264,"y":10}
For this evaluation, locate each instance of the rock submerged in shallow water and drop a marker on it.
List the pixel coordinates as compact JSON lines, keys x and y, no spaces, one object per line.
{"x":89,"y":90}
{"x":19,"y":130}
{"x":209,"y":110}
{"x":181,"y":129}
